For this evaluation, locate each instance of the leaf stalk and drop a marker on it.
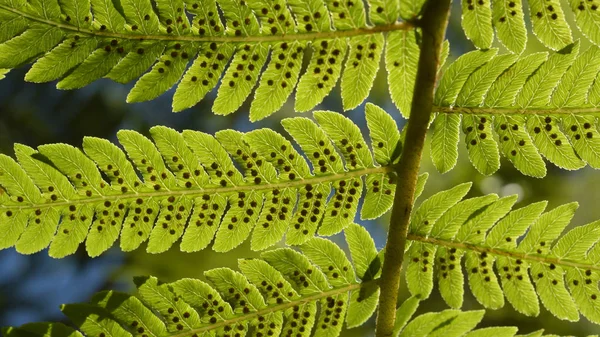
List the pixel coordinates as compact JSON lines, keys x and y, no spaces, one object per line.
{"x":433,"y":27}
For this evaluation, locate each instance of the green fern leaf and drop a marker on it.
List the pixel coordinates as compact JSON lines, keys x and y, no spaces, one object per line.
{"x":42,"y":329}
{"x":187,"y":186}
{"x":537,"y":106}
{"x":403,"y":314}
{"x":445,"y":323}
{"x":126,"y":309}
{"x":93,"y":320}
{"x":587,"y":19}
{"x":494,"y":331}
{"x":360,"y":69}
{"x":508,"y":19}
{"x":80,"y":41}
{"x":164,"y":74}
{"x":60,"y":60}
{"x":278,"y":81}
{"x":505,"y":251}
{"x":310,"y":293}
{"x":402,"y":55}
{"x":477,"y":22}
{"x":36,"y":40}
{"x":484,"y":157}
{"x":444,"y":143}
{"x":549,"y":24}
{"x":322,"y":73}
{"x":411,"y":9}
{"x":533,"y":334}
{"x":419,"y":276}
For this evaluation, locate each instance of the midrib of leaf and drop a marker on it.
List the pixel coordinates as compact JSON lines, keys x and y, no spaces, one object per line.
{"x":517,"y":111}
{"x":210,"y":190}
{"x":502,"y":252}
{"x":232,"y":39}
{"x":279,"y":307}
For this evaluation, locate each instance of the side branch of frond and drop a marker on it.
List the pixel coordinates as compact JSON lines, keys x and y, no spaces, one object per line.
{"x":516,"y":111}
{"x":210,"y":190}
{"x":502,"y":252}
{"x":229,"y":39}
{"x":279,"y":307}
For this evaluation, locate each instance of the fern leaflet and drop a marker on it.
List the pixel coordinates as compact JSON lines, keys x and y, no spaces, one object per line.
{"x":80,"y":41}
{"x":504,"y":250}
{"x":185,"y":185}
{"x":479,"y":18}
{"x":284,"y":293}
{"x":524,"y":108}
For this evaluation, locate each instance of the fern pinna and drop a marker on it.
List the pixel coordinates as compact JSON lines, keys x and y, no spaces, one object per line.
{"x":284,"y":293}
{"x":80,"y":41}
{"x":191,"y":184}
{"x":503,"y":251}
{"x":523,"y":107}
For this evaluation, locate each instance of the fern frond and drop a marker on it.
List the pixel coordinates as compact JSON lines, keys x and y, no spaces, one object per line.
{"x":480,"y":18}
{"x":517,"y":254}
{"x":523,"y":107}
{"x":80,"y":41}
{"x":185,"y":185}
{"x":284,"y":293}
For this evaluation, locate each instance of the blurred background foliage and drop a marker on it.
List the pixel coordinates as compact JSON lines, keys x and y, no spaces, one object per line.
{"x":33,"y":287}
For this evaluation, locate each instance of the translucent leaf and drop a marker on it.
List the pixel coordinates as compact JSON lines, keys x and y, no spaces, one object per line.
{"x":587,"y":19}
{"x":508,"y":19}
{"x":361,"y":68}
{"x":401,"y":57}
{"x":322,"y":73}
{"x":549,"y":24}
{"x":404,"y":313}
{"x":32,"y":42}
{"x":61,"y":59}
{"x":278,"y":81}
{"x":477,"y":22}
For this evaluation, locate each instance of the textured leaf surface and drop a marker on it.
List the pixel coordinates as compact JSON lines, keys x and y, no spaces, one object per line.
{"x":189,"y":45}
{"x":519,"y":254}
{"x":187,"y":186}
{"x":521,"y":107}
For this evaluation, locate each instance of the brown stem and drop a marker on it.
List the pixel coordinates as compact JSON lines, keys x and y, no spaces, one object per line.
{"x":433,"y":27}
